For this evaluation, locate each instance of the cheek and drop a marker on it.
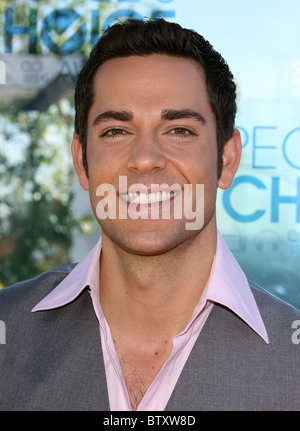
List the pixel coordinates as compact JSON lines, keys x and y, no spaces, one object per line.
{"x":104,"y":169}
{"x":99,"y":162}
{"x":198,"y":168}
{"x":102,"y":159}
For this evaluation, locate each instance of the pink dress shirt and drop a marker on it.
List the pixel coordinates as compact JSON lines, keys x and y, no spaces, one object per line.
{"x":227,"y":285}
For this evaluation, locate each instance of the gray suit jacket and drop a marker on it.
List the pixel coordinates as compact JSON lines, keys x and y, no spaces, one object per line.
{"x":52,"y":360}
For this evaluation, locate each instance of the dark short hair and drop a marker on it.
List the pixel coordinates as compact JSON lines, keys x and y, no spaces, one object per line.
{"x":138,"y":37}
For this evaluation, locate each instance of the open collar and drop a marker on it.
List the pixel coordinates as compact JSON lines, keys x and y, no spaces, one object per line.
{"x":227,"y":285}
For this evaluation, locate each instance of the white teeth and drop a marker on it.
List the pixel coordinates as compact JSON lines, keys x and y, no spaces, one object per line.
{"x":130,"y":197}
{"x":148,"y":198}
{"x":165,"y":196}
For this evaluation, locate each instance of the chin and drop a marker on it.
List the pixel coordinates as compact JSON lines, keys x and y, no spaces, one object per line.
{"x":148,"y":242}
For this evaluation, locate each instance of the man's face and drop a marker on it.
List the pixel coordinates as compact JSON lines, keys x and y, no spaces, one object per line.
{"x":152,"y":123}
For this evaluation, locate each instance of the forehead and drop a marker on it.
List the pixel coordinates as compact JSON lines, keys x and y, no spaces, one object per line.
{"x":157,"y":69}
{"x":150,"y":82}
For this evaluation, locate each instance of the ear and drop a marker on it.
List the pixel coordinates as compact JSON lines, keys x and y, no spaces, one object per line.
{"x":231,"y":159}
{"x":76,"y":149}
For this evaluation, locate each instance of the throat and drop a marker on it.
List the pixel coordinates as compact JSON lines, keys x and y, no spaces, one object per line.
{"x":141,"y":363}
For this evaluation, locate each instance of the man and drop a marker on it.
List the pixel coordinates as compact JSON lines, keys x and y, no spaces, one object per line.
{"x":158,"y":316}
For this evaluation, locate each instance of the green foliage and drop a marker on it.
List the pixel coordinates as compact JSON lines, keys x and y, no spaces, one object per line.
{"x":36,"y":176}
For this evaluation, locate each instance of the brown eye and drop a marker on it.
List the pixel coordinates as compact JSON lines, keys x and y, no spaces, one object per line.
{"x":113,"y":132}
{"x":181,"y":131}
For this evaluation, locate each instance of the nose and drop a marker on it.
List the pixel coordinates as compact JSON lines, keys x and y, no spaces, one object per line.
{"x":146,"y":155}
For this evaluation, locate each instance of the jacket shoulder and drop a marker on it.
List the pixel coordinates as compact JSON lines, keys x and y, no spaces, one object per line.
{"x":278,"y":315}
{"x":268,"y":301}
{"x":29,"y":292}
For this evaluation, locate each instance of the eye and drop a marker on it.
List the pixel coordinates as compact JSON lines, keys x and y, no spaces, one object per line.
{"x":113,"y":133}
{"x":181,"y":131}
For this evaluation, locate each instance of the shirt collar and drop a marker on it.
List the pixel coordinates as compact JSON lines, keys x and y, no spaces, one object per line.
{"x":85,"y":273}
{"x":227,"y":285}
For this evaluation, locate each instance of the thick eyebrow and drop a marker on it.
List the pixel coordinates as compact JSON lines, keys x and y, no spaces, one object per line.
{"x":166,"y":114}
{"x":174,"y":114}
{"x":113,"y":115}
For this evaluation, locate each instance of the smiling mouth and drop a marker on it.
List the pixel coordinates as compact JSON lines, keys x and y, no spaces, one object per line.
{"x":148,"y":198}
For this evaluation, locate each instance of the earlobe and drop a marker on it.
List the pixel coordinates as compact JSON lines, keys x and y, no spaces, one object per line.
{"x":231,"y":159}
{"x":76,"y":149}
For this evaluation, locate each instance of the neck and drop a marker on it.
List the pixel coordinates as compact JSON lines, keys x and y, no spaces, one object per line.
{"x":138,"y":291}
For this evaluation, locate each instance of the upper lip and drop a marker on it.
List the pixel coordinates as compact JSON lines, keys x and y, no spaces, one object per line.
{"x":153,"y":188}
